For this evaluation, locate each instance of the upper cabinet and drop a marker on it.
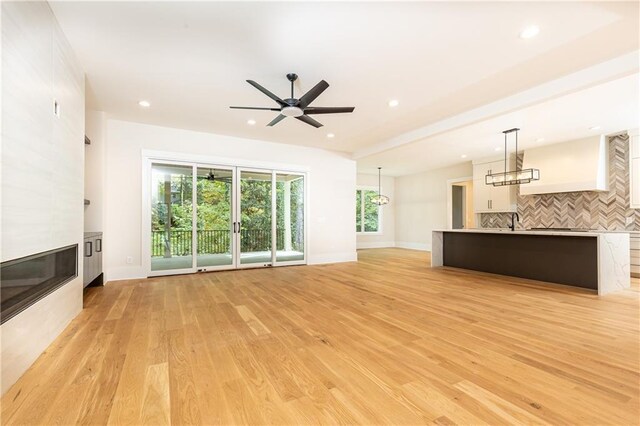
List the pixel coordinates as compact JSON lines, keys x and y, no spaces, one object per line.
{"x":577,"y":165}
{"x":489,"y":198}
{"x":634,"y":168}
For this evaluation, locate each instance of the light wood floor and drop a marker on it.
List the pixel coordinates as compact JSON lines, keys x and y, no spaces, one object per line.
{"x":386,"y":340}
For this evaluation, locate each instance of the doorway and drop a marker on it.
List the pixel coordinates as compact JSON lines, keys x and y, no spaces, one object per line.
{"x":211,"y":217}
{"x":460,"y":203}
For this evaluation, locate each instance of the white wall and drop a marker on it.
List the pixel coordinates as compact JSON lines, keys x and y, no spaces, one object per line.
{"x":42,"y":168}
{"x":331,"y":183}
{"x":387,"y":237}
{"x":421,"y":205}
{"x":96,"y":130}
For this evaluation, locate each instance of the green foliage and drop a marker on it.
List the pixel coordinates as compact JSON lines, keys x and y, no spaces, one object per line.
{"x":214,"y":210}
{"x":369,"y":218}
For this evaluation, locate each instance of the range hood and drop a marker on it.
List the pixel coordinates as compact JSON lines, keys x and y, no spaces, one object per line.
{"x":578,"y":165}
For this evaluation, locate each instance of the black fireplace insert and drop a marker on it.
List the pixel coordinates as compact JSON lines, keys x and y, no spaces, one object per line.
{"x":28,"y":279}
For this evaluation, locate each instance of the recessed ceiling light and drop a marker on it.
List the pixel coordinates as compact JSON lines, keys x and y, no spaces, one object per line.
{"x":594,"y":128}
{"x":331,"y":135}
{"x":144,"y":104}
{"x":530,"y":32}
{"x":464,"y":156}
{"x":251,"y":122}
{"x":497,"y":148}
{"x":394,"y":103}
{"x":540,"y":140}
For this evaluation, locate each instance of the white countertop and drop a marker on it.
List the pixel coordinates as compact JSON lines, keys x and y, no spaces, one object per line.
{"x":594,"y":233}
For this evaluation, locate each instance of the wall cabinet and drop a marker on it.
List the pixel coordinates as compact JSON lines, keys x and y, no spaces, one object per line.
{"x":634,"y":169}
{"x":489,"y":198}
{"x":92,"y":257}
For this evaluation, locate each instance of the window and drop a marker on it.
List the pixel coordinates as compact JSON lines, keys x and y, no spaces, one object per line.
{"x":367,"y":214}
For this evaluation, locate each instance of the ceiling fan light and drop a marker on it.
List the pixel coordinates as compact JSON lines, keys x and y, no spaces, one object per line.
{"x":292,"y":111}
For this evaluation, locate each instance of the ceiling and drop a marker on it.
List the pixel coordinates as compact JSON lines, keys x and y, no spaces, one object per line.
{"x":190,"y":60}
{"x":612,"y":107}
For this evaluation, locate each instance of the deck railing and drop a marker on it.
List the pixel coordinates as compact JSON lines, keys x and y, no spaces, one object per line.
{"x":215,"y":241}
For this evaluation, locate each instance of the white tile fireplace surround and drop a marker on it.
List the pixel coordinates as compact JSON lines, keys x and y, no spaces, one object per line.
{"x":41,"y":153}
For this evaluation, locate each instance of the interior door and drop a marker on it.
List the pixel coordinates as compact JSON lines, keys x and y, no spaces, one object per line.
{"x":254,"y":193}
{"x":457,"y":206}
{"x":215,"y":218}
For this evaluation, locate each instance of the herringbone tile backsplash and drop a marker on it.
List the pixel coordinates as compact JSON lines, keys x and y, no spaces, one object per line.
{"x":592,"y":210}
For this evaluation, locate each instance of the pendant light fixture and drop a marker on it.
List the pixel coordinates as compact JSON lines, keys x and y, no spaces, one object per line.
{"x":511,"y":177}
{"x":380,"y":199}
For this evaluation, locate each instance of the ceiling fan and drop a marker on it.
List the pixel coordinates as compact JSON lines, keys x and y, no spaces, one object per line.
{"x":298,"y":108}
{"x":213,"y":178}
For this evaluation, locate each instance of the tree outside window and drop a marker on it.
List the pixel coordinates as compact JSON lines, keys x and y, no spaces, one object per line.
{"x":367,"y":213}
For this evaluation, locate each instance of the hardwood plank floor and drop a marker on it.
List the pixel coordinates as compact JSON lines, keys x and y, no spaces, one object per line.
{"x":386,"y":340}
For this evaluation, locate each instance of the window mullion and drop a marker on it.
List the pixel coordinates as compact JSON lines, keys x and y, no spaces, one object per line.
{"x":362,"y":198}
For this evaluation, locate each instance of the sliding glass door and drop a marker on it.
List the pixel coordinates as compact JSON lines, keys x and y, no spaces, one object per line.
{"x":255,"y":217}
{"x":171,"y":217}
{"x":290,"y":207}
{"x":215,"y":218}
{"x":205,"y":218}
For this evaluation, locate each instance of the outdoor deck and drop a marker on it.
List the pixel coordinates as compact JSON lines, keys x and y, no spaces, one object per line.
{"x":206,"y":260}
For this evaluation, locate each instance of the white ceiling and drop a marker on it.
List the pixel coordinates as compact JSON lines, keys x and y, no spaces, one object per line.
{"x":191,"y":60}
{"x":613,"y":106}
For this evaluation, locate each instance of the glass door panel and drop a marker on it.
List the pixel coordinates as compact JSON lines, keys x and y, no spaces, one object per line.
{"x":171,"y":217}
{"x":255,"y":217}
{"x":289,"y":217}
{"x":214,"y":218}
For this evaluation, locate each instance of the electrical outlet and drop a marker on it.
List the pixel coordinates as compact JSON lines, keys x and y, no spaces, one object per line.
{"x":129,"y":260}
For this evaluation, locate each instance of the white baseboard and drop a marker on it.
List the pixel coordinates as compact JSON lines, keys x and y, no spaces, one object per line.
{"x":414,"y":246}
{"x":124,"y":273}
{"x":333,"y":258}
{"x":382,"y":244}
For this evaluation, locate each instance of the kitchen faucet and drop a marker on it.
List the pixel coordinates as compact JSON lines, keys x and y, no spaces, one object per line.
{"x":513,"y":222}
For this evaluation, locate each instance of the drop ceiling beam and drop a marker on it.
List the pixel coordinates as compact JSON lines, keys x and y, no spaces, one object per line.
{"x":613,"y":69}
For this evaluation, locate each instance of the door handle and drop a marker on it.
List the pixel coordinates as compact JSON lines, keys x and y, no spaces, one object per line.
{"x":99,"y":240}
{"x":90,"y":249}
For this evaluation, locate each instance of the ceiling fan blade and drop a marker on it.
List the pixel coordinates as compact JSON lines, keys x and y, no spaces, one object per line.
{"x":312,"y":94}
{"x":266,"y":92}
{"x":309,"y":120}
{"x":276,"y":120}
{"x":258,"y":108}
{"x":327,"y":110}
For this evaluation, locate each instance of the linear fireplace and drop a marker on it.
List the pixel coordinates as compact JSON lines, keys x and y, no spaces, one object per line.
{"x":28,"y":279}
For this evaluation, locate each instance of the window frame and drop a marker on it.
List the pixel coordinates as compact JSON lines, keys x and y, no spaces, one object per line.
{"x":363,"y":188}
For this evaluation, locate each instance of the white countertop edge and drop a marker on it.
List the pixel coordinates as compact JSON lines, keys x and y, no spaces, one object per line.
{"x":521,"y":232}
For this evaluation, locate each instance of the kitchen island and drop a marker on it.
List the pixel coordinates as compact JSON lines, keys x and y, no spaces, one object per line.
{"x":593,"y":260}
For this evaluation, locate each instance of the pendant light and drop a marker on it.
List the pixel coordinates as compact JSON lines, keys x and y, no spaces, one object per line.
{"x":380,"y":199}
{"x":511,"y":177}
